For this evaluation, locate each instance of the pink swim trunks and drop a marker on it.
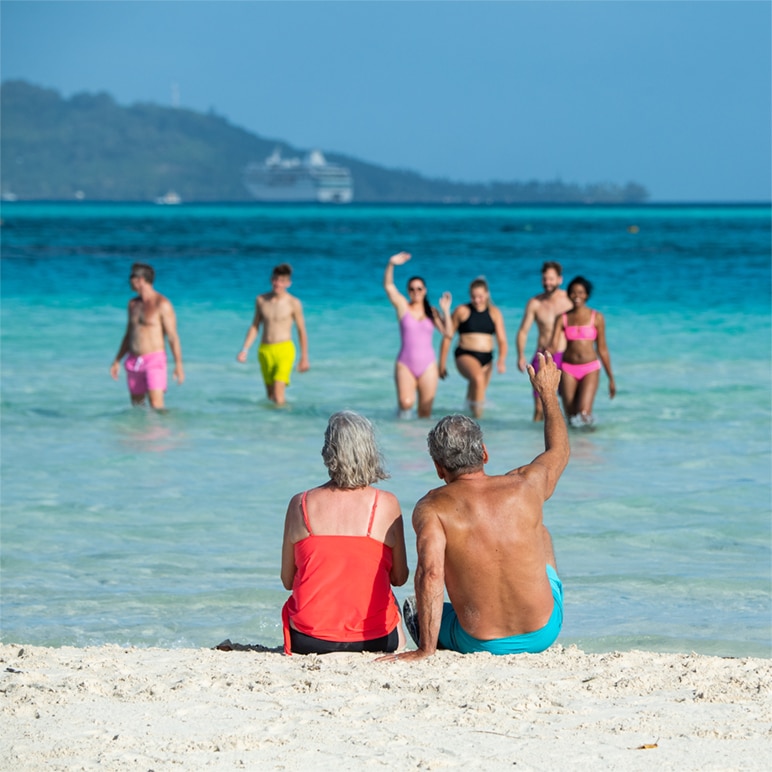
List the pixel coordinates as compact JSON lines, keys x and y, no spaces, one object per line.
{"x":146,"y":372}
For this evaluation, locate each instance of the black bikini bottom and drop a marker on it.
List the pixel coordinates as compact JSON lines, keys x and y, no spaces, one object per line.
{"x":483,"y":357}
{"x":305,"y":644}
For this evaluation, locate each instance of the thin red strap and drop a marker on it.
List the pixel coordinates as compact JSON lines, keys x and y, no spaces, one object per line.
{"x":372,"y":513}
{"x":592,"y":317}
{"x":286,"y":629}
{"x":305,"y":512}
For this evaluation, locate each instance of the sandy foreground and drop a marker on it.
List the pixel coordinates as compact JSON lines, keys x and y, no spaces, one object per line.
{"x":116,"y":708}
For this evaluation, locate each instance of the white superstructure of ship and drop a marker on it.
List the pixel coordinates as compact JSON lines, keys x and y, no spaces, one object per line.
{"x":295,"y":179}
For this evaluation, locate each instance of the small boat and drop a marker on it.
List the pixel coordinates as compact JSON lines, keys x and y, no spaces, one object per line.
{"x":170,"y":199}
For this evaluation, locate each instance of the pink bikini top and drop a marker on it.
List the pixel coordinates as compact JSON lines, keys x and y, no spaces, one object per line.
{"x":581,"y":331}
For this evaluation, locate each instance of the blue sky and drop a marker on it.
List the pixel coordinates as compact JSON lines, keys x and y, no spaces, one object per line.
{"x":674,"y":95}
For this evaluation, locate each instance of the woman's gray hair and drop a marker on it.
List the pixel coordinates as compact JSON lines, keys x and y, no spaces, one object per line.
{"x":456,"y":444}
{"x":350,"y":452}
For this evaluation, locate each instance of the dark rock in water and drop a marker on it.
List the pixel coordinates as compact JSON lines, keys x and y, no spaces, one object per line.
{"x":228,"y":645}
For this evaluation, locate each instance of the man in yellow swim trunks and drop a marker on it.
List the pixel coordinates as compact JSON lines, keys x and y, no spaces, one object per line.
{"x":277,"y":310}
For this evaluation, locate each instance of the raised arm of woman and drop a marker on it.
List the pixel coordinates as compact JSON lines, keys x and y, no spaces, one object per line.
{"x":398,"y":300}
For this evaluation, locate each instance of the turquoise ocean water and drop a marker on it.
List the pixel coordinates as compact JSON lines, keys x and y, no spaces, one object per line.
{"x":128,"y":527}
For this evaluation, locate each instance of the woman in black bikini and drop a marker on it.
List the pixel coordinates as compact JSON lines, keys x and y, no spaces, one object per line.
{"x":477,"y":323}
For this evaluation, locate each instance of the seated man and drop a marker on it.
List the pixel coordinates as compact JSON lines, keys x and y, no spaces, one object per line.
{"x":483,"y":538}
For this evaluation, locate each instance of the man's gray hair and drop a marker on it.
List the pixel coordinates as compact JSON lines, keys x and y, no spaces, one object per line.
{"x":350,"y":451}
{"x":456,"y":444}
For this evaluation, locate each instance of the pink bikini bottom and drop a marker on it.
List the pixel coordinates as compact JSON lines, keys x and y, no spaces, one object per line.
{"x":579,"y":371}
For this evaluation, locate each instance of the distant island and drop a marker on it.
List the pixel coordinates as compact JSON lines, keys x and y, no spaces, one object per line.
{"x":90,"y":148}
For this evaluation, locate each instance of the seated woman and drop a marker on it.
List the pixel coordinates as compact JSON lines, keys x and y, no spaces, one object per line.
{"x":586,"y":349}
{"x":343,"y":549}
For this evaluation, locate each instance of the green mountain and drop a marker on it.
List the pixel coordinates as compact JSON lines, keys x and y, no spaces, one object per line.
{"x":90,"y":147}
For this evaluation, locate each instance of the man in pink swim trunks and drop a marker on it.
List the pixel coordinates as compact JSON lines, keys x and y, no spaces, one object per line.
{"x":543,"y":309}
{"x":151,"y":319}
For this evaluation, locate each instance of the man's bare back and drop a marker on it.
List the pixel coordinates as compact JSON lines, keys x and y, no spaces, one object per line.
{"x":495,"y":553}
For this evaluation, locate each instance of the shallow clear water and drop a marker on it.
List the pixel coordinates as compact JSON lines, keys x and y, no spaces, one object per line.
{"x":124,"y":526}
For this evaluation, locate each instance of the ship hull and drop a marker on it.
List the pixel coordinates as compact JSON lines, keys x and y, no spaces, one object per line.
{"x":282,"y":180}
{"x":300,"y":191}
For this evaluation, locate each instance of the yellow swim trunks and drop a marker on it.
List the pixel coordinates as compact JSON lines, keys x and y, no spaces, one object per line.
{"x":276,"y":360}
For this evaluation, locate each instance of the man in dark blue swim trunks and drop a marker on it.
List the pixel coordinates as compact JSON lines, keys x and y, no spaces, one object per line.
{"x":483,"y":537}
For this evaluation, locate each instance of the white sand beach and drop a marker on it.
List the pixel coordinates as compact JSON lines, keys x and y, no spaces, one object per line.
{"x":116,"y":708}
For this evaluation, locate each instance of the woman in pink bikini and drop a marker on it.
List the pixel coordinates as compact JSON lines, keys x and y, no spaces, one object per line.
{"x":585,"y":331}
{"x":416,"y":367}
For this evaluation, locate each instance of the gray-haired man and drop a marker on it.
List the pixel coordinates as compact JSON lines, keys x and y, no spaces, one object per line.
{"x":483,"y":537}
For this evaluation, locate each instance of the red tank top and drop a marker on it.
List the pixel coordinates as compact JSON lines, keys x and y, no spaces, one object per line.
{"x":342,"y":587}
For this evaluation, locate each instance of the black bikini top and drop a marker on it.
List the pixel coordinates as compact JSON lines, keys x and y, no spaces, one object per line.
{"x":478,"y":321}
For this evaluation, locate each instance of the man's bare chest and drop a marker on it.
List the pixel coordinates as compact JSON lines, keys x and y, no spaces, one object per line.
{"x":145,"y":314}
{"x":276,"y":310}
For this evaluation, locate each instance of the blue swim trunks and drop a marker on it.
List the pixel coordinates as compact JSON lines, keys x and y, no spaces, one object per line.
{"x":454,"y":637}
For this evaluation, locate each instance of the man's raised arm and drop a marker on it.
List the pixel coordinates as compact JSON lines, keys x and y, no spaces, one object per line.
{"x":556,"y":447}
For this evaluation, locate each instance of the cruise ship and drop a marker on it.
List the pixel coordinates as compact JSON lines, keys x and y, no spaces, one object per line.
{"x":295,"y":179}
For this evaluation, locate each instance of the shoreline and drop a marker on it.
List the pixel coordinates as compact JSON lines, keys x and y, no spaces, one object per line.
{"x":151,"y":708}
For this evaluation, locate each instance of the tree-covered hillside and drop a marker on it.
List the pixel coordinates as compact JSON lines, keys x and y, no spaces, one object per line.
{"x":90,"y":147}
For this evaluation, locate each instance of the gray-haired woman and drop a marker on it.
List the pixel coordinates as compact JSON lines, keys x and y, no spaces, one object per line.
{"x":343,"y":549}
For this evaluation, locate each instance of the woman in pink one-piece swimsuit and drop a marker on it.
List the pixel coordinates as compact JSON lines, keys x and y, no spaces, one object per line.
{"x":416,"y":367}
